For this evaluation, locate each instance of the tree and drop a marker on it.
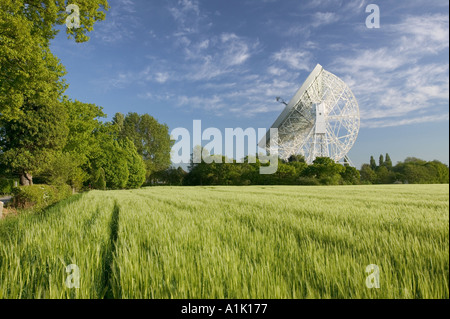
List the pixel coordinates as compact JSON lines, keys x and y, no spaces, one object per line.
{"x":32,"y":115}
{"x":388,"y":162}
{"x":346,"y":163}
{"x":325,"y":170}
{"x":29,"y":142}
{"x":297,"y":158}
{"x":113,"y":160}
{"x":84,"y":124}
{"x":367,"y":174}
{"x":373,"y":164}
{"x":151,"y":139}
{"x":136,"y":165}
{"x":172,"y":176}
{"x":118,"y":121}
{"x":417,"y":171}
{"x":384,"y":176}
{"x":300,"y":167}
{"x":26,"y":28}
{"x":440,"y":170}
{"x":99,"y":179}
{"x":350,"y":175}
{"x":285,"y":174}
{"x":381,"y":160}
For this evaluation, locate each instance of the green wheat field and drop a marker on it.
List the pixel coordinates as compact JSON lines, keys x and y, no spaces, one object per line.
{"x":232,"y":242}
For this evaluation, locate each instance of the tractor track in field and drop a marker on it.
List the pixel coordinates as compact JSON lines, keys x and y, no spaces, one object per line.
{"x":107,"y":289}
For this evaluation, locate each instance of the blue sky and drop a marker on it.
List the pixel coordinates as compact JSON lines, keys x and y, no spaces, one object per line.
{"x":224,"y":62}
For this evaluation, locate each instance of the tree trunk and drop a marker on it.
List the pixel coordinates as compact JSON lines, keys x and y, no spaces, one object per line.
{"x":26,"y":179}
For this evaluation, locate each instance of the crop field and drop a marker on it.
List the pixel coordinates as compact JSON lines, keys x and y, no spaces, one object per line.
{"x":232,"y":242}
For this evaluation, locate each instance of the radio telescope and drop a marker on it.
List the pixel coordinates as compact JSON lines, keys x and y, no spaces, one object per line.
{"x":321,"y":120}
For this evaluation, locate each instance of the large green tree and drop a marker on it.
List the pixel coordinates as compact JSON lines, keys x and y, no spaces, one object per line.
{"x":30,"y":141}
{"x":325,"y":170}
{"x":26,"y":28}
{"x":72,"y":166}
{"x":151,"y":139}
{"x":32,"y":114}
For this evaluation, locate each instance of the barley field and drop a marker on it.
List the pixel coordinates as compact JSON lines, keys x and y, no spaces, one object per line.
{"x":233,"y":242}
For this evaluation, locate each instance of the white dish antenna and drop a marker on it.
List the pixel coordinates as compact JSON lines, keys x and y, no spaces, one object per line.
{"x":321,"y":120}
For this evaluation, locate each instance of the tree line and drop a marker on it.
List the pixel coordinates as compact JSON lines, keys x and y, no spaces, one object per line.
{"x":295,"y":171}
{"x":411,"y":171}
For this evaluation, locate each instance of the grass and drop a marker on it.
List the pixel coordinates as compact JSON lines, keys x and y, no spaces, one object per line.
{"x":233,"y":242}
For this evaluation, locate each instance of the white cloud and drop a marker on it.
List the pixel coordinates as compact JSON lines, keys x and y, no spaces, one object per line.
{"x":161,"y":77}
{"x":218,"y":56}
{"x":409,"y":121}
{"x":398,"y":83}
{"x":423,"y":34}
{"x":381,"y":60}
{"x":324,"y":18}
{"x":296,"y":59}
{"x":236,"y":50}
{"x":120,"y":23}
{"x":272,"y":70}
{"x":186,"y":14}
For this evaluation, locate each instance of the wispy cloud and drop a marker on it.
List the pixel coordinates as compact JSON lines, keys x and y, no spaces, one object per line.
{"x":213,"y":58}
{"x":397,"y":122}
{"x":324,"y":18}
{"x":186,"y":14}
{"x":120,"y":23}
{"x":295,"y":59}
{"x":420,"y":35}
{"x":398,"y":84}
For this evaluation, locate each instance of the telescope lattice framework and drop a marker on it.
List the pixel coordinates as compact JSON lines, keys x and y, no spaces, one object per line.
{"x":321,"y":120}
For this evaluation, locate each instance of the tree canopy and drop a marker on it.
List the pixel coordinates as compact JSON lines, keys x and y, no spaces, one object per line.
{"x":152,"y":139}
{"x":34,"y":123}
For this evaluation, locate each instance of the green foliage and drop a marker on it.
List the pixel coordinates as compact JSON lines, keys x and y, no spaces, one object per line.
{"x":368,"y":175}
{"x":384,"y":176}
{"x":325,"y":170}
{"x":123,"y":166}
{"x":388,"y":162}
{"x":311,"y":181}
{"x":32,"y":140}
{"x":296,"y":158}
{"x":373,"y":164}
{"x":39,"y":196}
{"x":381,"y":160}
{"x":99,"y":179}
{"x":33,"y":119}
{"x":7,"y":185}
{"x":411,"y":171}
{"x":152,"y":139}
{"x":350,"y":176}
{"x":113,"y":159}
{"x":136,"y":165}
{"x":416,"y":171}
{"x":172,"y":176}
{"x":28,"y":67}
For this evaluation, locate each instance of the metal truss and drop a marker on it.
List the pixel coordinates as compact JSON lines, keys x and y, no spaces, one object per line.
{"x":298,"y":131}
